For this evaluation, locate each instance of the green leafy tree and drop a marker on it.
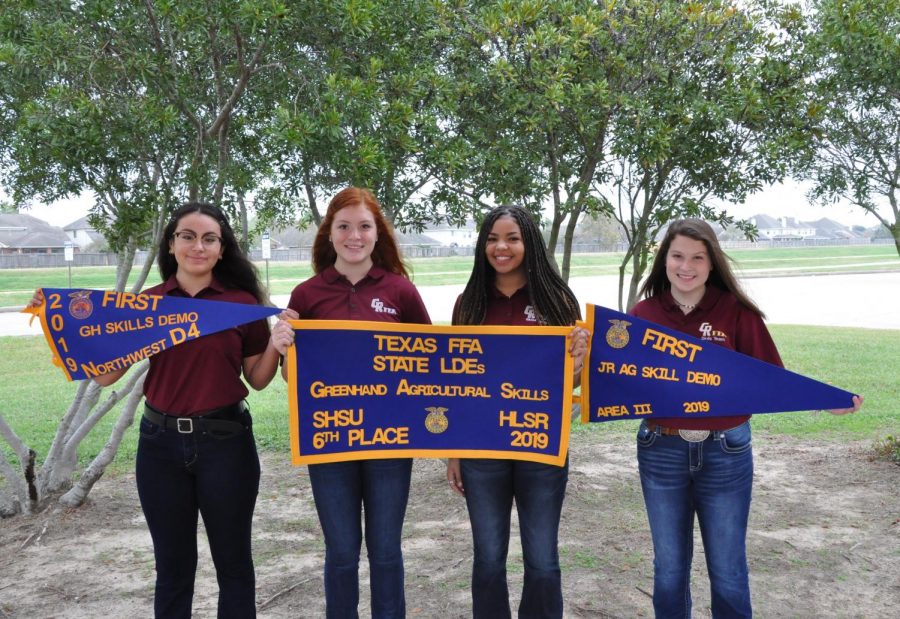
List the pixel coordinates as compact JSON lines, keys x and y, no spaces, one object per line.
{"x":361,"y":112}
{"x":714,"y":116}
{"x":855,"y":48}
{"x":140,"y":104}
{"x":537,"y":84}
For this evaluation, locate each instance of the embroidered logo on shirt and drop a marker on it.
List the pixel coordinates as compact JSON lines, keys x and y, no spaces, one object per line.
{"x":380,"y":308}
{"x":530,"y":314}
{"x":708,"y":333}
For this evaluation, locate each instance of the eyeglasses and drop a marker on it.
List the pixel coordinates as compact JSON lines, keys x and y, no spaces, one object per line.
{"x":189,"y":238}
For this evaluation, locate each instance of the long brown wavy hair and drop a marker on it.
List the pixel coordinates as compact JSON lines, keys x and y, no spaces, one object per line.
{"x":721,"y":276}
{"x":234,"y":270}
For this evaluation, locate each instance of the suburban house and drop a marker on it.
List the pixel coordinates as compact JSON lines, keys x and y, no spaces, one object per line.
{"x":782,"y":228}
{"x":452,"y":236}
{"x":24,"y":234}
{"x":788,"y":228}
{"x":82,"y":234}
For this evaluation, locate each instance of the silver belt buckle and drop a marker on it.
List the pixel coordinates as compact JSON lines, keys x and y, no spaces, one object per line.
{"x":693,"y":436}
{"x":185,"y":425}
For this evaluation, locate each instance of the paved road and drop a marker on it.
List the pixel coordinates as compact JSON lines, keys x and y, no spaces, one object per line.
{"x":870,"y":300}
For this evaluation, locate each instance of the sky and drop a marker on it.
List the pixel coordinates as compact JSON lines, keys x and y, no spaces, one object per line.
{"x":783,"y":199}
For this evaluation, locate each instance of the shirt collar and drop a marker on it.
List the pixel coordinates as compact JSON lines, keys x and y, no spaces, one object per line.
{"x":171,"y":285}
{"x":332,"y":276}
{"x":496,"y":294}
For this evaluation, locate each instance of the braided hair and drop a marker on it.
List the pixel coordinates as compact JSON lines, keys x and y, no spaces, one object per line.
{"x":552,"y":299}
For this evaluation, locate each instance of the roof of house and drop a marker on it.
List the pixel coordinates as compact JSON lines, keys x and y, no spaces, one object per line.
{"x":24,"y":231}
{"x":79,"y":224}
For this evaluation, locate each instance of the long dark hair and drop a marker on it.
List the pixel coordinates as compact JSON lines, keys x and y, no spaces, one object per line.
{"x":721,"y":276}
{"x":385,"y":254}
{"x":551,"y":297}
{"x":234,"y":270}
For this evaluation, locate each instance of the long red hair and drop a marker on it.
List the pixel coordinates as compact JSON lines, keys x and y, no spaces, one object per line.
{"x":385,"y":254}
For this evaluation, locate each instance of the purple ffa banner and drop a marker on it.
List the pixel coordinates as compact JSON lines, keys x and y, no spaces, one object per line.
{"x":363,"y":390}
{"x":93,"y":332}
{"x":639,"y":370}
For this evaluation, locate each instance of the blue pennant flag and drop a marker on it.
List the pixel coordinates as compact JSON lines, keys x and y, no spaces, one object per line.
{"x":93,"y":332}
{"x":637,"y":369}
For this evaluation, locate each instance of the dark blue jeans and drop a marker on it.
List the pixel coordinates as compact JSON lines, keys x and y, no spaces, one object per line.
{"x":713,"y":480}
{"x":539,"y":490}
{"x":181,"y":475}
{"x":343,"y":492}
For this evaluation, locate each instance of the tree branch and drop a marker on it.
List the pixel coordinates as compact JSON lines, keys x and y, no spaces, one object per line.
{"x":245,"y":72}
{"x":164,"y":53}
{"x":78,"y":493}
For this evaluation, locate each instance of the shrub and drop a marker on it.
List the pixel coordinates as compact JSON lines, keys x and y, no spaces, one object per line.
{"x":888,"y":449}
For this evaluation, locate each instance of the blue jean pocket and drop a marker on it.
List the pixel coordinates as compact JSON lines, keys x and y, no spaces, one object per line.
{"x":149,"y":429}
{"x":737,"y":439}
{"x":645,"y":438}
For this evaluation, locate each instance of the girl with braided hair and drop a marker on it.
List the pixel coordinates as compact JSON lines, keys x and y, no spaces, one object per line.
{"x":513,"y":282}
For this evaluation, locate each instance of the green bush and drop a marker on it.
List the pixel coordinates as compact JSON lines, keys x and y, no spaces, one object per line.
{"x":888,"y":449}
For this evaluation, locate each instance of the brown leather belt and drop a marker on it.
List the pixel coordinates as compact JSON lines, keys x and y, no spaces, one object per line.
{"x":655,"y":427}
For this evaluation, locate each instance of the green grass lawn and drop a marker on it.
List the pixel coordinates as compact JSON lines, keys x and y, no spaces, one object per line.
{"x":35,"y":394}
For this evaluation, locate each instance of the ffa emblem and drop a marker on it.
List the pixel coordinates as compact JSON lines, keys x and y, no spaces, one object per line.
{"x":435,"y":421}
{"x":81,"y":306}
{"x":617,"y":335}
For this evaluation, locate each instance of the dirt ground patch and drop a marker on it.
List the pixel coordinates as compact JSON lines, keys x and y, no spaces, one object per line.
{"x":824,"y":541}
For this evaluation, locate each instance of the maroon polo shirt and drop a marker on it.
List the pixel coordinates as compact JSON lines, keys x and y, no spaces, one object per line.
{"x":515,"y":310}
{"x":197,"y":376}
{"x":380,"y":295}
{"x":718,"y":318}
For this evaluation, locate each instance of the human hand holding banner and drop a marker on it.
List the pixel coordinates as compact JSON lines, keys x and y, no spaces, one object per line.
{"x":639,"y":370}
{"x":362,"y":390}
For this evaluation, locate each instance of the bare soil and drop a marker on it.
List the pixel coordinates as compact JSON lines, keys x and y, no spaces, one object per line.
{"x":824,"y":541}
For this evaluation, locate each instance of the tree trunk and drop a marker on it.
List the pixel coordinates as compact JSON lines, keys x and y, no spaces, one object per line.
{"x":8,"y":505}
{"x":567,"y":245}
{"x":245,"y":224}
{"x":21,"y":493}
{"x":638,"y":265}
{"x":123,"y":268}
{"x":629,"y":252}
{"x":62,"y":459}
{"x":70,"y":453}
{"x":76,"y":496}
{"x":553,"y":237}
{"x":151,"y":252}
{"x":636,"y":274}
{"x":62,"y":430}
